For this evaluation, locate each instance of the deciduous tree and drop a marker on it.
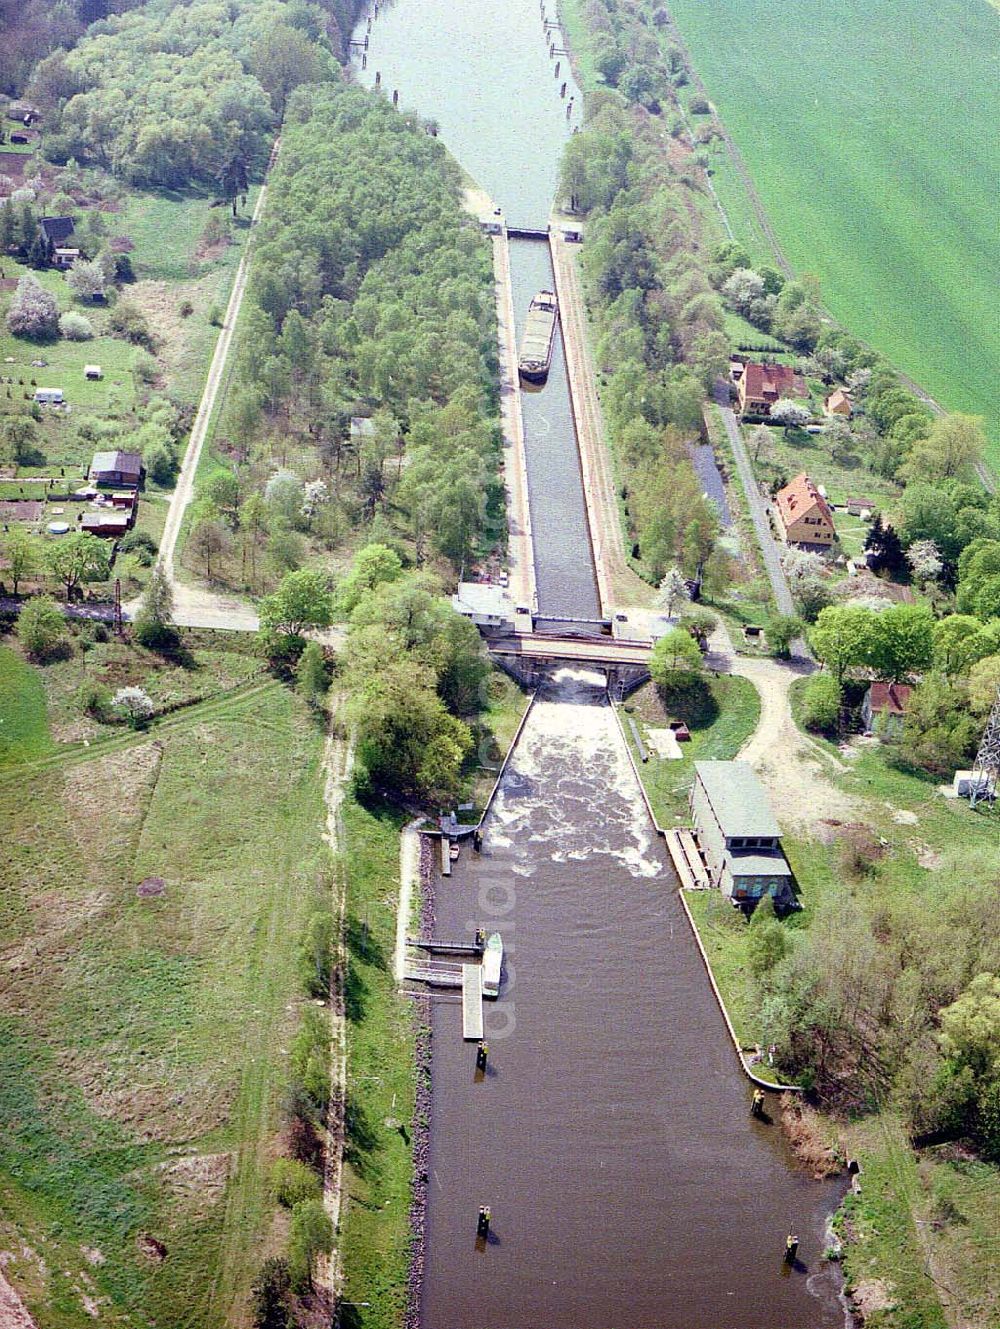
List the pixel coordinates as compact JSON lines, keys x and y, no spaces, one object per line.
{"x":79,"y":557}
{"x":41,"y":628}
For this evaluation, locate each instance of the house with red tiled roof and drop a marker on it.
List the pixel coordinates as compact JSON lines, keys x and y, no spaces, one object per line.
{"x":804,"y":514}
{"x":884,"y":708}
{"x":760,"y":386}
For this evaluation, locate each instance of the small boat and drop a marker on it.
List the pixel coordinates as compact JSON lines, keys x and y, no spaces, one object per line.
{"x":492,"y":964}
{"x":539,"y":334}
{"x":454,"y":850}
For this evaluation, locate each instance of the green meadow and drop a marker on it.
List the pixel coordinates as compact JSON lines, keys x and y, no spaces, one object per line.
{"x":870,"y":132}
{"x":156,"y":886}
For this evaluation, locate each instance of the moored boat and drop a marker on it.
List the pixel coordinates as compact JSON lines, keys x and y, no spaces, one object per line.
{"x":539,"y":335}
{"x":492,"y":964}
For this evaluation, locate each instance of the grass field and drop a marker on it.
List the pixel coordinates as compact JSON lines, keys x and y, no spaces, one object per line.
{"x":721,"y":718}
{"x":24,"y":725}
{"x":870,"y":133}
{"x":143,"y":1044}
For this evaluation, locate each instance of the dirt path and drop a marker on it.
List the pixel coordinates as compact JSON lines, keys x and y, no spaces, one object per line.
{"x":409,"y":874}
{"x":338,"y":762}
{"x":198,"y":606}
{"x":13,"y":1314}
{"x":794,"y":768}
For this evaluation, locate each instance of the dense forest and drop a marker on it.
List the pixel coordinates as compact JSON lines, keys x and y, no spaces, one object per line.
{"x":363,"y":403}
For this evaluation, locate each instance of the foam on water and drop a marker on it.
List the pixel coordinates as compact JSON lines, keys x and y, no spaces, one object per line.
{"x":570,"y":786}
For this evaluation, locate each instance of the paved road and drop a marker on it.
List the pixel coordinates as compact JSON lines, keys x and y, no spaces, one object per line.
{"x":758,"y":508}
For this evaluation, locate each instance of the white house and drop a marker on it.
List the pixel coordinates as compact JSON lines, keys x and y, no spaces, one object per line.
{"x":489,"y":607}
{"x":737,"y":833}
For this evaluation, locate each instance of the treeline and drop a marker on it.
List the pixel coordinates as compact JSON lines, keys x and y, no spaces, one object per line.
{"x":871,"y":1006}
{"x":364,"y":392}
{"x":661,"y":338}
{"x":172,"y":94}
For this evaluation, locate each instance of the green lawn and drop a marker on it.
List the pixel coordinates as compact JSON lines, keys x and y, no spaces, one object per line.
{"x":844,"y":477}
{"x":142,"y":1057}
{"x":578,"y":39}
{"x":721,"y":717}
{"x":166,"y":226}
{"x":871,"y":137}
{"x":24,"y":724}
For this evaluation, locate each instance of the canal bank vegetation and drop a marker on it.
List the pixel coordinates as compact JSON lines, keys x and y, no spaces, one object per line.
{"x":659,"y":323}
{"x":720,"y":713}
{"x":881,"y":997}
{"x":375,"y":1240}
{"x":363,"y":405}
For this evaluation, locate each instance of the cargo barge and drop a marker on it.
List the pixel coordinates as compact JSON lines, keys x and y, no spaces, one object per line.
{"x":539,"y":334}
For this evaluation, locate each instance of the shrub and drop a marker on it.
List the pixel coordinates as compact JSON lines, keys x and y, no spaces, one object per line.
{"x":294,"y":1182}
{"x":185,"y":309}
{"x":133,"y":705}
{"x":311,"y":677}
{"x":41,"y":628}
{"x":142,"y":545}
{"x":310,"y":1236}
{"x":316,"y":954}
{"x":310,"y":1059}
{"x":33,"y":312}
{"x":699,"y":105}
{"x":145,"y":369}
{"x":94,"y":699}
{"x":269,"y":1304}
{"x":860,"y":852}
{"x":215,"y":316}
{"x":129,"y":322}
{"x":76,"y":327}
{"x":160,"y":462}
{"x":821,"y":704}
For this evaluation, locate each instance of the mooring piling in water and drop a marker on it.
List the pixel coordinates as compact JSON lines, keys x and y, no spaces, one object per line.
{"x":395,"y":96}
{"x":558,"y":67}
{"x":562,"y":91}
{"x":791,"y":1248}
{"x":364,"y":61}
{"x":483,"y":1221}
{"x":757,"y":1103}
{"x":482,"y":1054}
{"x":378,"y":78}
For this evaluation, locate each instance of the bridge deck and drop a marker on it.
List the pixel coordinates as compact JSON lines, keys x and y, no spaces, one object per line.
{"x":472,"y":1001}
{"x":580,"y":650}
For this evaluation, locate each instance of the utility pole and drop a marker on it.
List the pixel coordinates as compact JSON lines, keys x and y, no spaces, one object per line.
{"x":986,"y":771}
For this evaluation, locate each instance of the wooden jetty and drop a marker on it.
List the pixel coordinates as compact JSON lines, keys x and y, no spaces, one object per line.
{"x":446,"y":947}
{"x":435,"y":973}
{"x":687,"y":860}
{"x":472,"y":1001}
{"x":445,"y":856}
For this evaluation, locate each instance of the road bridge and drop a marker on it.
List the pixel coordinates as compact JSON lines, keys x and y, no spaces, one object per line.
{"x":528,"y":658}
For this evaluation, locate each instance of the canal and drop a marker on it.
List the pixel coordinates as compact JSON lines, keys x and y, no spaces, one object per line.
{"x":611,"y":1137}
{"x":629,"y":1186}
{"x":483,"y":72}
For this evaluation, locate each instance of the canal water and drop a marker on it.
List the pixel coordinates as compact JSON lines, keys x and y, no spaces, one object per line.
{"x":629,"y":1186}
{"x":483,"y":71}
{"x":564,"y":565}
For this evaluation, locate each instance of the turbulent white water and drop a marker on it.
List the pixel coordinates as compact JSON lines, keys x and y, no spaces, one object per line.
{"x":570,"y":793}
